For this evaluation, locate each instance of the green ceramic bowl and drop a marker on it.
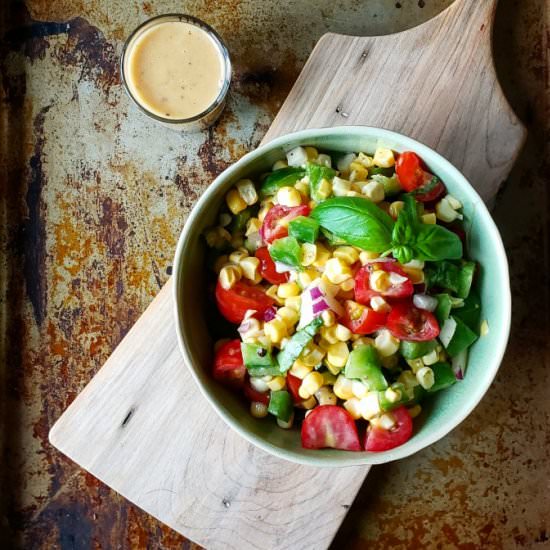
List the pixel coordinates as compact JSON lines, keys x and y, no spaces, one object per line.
{"x":447,"y":408}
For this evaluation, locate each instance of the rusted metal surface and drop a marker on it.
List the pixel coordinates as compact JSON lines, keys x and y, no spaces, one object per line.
{"x":93,"y":198}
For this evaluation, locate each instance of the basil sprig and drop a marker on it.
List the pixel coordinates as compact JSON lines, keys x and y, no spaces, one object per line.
{"x":361,"y":223}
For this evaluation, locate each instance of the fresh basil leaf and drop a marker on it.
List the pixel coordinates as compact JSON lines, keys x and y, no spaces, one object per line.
{"x":281,"y":178}
{"x":434,"y":243}
{"x":403,"y":254}
{"x":357,"y":221}
{"x":317,"y":173}
{"x":454,"y":276}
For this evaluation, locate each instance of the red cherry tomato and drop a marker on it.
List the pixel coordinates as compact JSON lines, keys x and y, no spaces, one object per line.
{"x":235,"y":302}
{"x":254,"y":395}
{"x":363,"y":291}
{"x":362,"y":319}
{"x":408,"y":168}
{"x":267,"y":268}
{"x":330,"y":426}
{"x":379,"y":439}
{"x":407,"y":322}
{"x":275,"y":224}
{"x":431,"y":195}
{"x":293,"y":384}
{"x":228,"y":364}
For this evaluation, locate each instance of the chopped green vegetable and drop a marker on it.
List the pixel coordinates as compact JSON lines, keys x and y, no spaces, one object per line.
{"x":454,"y":276}
{"x":305,"y":229}
{"x":298,"y":341}
{"x":280,"y":405}
{"x":259,"y":361}
{"x":379,"y":171}
{"x":287,"y":251}
{"x":443,"y":309}
{"x":443,"y":375}
{"x":388,"y":405}
{"x":364,"y":364}
{"x":456,"y":336}
{"x":414,"y":350}
{"x":391,"y":184}
{"x":281,"y":178}
{"x":239,"y":221}
{"x":317,"y":173}
{"x":470,"y":312}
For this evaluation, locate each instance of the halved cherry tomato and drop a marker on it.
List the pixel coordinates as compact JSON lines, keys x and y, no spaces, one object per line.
{"x":228,"y":364}
{"x":378,"y":439}
{"x":276,"y":222}
{"x":409,"y":170}
{"x":330,"y":426}
{"x":235,"y":302}
{"x":267,"y":268}
{"x":362,"y":319}
{"x":254,"y":395}
{"x":293,"y":384}
{"x":407,"y":322}
{"x":363,"y":291}
{"x":427,"y":193}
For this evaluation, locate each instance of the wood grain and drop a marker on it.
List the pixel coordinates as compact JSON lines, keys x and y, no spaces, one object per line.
{"x":142,"y":426}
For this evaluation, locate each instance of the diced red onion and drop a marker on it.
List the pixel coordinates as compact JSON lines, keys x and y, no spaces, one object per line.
{"x":280,"y":267}
{"x":315,"y":292}
{"x":270,"y":313}
{"x":458,"y":363}
{"x":423,"y":301}
{"x":320,"y":306}
{"x":244,"y":327}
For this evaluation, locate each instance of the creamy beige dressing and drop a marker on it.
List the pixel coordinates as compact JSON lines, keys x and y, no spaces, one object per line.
{"x":175,"y":70}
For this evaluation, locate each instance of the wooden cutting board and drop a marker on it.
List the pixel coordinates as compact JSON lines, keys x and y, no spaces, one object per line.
{"x":141,"y":425}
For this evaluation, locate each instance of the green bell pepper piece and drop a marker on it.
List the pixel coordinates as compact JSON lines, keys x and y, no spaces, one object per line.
{"x":280,"y":405}
{"x":239,"y":221}
{"x":443,"y":375}
{"x":386,"y":404}
{"x":443,"y":309}
{"x":287,"y":251}
{"x":462,"y":337}
{"x":470,"y":312}
{"x":454,"y":276}
{"x":259,"y":361}
{"x":283,"y":177}
{"x":304,"y":229}
{"x":414,"y":350}
{"x":316,"y":174}
{"x":391,"y":184}
{"x":363,"y":363}
{"x":298,"y":341}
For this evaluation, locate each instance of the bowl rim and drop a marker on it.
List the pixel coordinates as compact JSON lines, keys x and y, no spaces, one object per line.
{"x":362,"y":458}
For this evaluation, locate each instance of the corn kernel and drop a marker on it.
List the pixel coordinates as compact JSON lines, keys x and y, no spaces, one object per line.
{"x":247,"y":191}
{"x":237,"y":255}
{"x":277,"y":383}
{"x":363,"y":341}
{"x":365,"y":160}
{"x":279,"y":164}
{"x":328,"y":334}
{"x":293,"y":302}
{"x":408,"y":379}
{"x":286,"y":290}
{"x":357,"y":172}
{"x":297,"y":157}
{"x":309,"y":253}
{"x":273,"y":292}
{"x":253,"y":226}
{"x":302,"y":186}
{"x":285,"y":425}
{"x":347,"y":254}
{"x":484,"y":328}
{"x":343,"y":387}
{"x":454,"y":202}
{"x":322,"y":256}
{"x":216,"y":237}
{"x":352,"y":406}
{"x":289,"y":315}
{"x":229,"y":275}
{"x":300,"y":369}
{"x":333,"y":369}
{"x":265,"y":208}
{"x":325,"y":396}
{"x":304,"y":279}
{"x":308,"y":404}
{"x":328,"y":378}
{"x":325,"y":189}
{"x":258,"y":410}
{"x":445,"y":212}
{"x":235,"y":202}
{"x":313,"y":357}
{"x":359,"y":389}
{"x":353,"y":194}
{"x":385,"y":343}
{"x":379,"y":304}
{"x":430,"y":358}
{"x":347,"y":287}
{"x":344,"y":162}
{"x":393,"y":395}
{"x":311,"y":152}
{"x":415,"y":364}
{"x":310,"y":384}
{"x":429,"y":219}
{"x":340,"y":187}
{"x":373,"y":190}
{"x":369,"y":405}
{"x":338,"y":354}
{"x":415,"y":275}
{"x":258,"y":384}
{"x":254,"y":331}
{"x":275,"y":330}
{"x":367,"y":255}
{"x":289,"y":196}
{"x":328,"y":318}
{"x":324,"y":160}
{"x":385,"y":421}
{"x":383,"y":157}
{"x":342,"y":333}
{"x":337,"y":271}
{"x":379,"y":280}
{"x":220,"y":262}
{"x":394,"y":209}
{"x":415,"y":411}
{"x":425,"y":377}
{"x":416,"y":264}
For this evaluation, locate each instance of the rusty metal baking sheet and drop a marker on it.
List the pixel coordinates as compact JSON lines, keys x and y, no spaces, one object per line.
{"x":94,"y":196}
